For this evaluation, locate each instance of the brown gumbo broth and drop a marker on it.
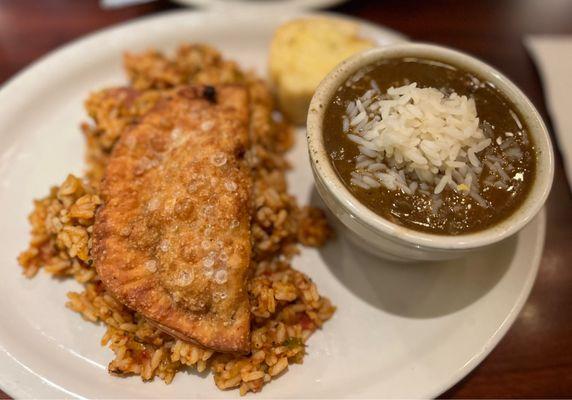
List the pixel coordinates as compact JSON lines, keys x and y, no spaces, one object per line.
{"x":451,"y":212}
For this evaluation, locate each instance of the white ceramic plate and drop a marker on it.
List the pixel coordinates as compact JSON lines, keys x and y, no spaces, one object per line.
{"x":400,"y":330}
{"x":261,"y":5}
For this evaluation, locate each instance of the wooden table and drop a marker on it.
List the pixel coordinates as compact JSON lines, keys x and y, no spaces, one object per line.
{"x":535,"y":357}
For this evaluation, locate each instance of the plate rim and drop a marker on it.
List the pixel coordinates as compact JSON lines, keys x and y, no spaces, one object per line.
{"x":69,"y":46}
{"x":502,"y":330}
{"x":25,"y":74}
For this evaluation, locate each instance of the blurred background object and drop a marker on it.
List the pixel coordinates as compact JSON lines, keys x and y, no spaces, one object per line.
{"x":535,"y":358}
{"x":121,"y":3}
{"x":261,"y":5}
{"x":258,"y":5}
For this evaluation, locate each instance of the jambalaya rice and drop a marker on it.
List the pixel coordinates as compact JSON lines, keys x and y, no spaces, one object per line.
{"x":286,"y":306}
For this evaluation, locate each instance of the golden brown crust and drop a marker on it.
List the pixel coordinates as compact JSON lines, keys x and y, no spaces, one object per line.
{"x":172,"y":240}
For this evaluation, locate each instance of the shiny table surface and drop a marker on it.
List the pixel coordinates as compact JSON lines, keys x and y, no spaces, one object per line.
{"x":535,"y":357}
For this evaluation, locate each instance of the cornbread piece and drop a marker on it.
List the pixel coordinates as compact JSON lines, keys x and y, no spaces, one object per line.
{"x":172,"y":239}
{"x":302,"y":53}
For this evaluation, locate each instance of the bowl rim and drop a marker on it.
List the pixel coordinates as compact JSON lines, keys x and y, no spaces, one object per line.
{"x":324,"y":172}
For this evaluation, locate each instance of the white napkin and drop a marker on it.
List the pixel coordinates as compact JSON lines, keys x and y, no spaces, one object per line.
{"x":553,"y":55}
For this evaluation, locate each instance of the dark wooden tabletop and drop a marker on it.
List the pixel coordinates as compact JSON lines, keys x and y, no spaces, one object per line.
{"x":535,"y":357}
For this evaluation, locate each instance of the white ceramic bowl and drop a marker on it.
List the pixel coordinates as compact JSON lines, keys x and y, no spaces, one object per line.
{"x":384,"y":238}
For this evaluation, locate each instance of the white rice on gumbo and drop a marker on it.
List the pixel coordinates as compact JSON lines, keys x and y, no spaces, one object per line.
{"x":413,"y":138}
